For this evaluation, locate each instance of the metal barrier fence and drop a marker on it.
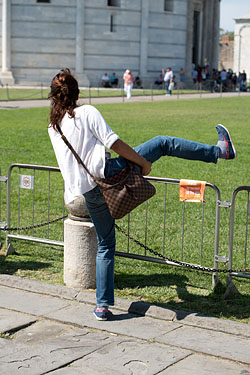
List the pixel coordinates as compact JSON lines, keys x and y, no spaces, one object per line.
{"x":238,"y":238}
{"x":34,"y":192}
{"x":187,"y":233}
{"x":149,"y":90}
{"x":2,"y":179}
{"x":39,"y":199}
{"x":180,"y":230}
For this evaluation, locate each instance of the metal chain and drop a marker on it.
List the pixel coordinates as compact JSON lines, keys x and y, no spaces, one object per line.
{"x":183,"y":264}
{"x":35,"y":226}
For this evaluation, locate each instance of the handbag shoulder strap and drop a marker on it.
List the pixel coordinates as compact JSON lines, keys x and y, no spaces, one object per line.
{"x":79,"y":160}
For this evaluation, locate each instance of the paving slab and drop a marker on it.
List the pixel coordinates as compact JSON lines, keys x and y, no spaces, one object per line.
{"x":217,"y":344}
{"x":120,"y":323}
{"x":53,"y":354}
{"x":40,"y":332}
{"x":215,"y":324}
{"x":7,"y":347}
{"x":126,"y":356}
{"x":204,"y":365}
{"x":30,"y":303}
{"x":38,"y":287}
{"x":86,"y":297}
{"x":12,"y":320}
{"x":72,"y":371}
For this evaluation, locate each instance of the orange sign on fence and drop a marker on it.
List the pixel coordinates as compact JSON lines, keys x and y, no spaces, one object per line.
{"x":192,"y":190}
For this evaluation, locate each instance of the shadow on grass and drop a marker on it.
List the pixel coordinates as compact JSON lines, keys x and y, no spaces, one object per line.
{"x":235,"y":307}
{"x":10,"y":266}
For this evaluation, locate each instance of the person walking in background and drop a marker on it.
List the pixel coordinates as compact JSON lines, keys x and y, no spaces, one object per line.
{"x":194,"y":75}
{"x":234,"y":81}
{"x":89,"y":134}
{"x":203,"y":78}
{"x":167,"y":77}
{"x":128,"y":78}
{"x":171,"y":85}
{"x":223,"y":78}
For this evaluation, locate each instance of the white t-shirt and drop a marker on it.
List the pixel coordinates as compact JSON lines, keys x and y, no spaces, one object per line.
{"x":89,"y":134}
{"x":168,"y":75}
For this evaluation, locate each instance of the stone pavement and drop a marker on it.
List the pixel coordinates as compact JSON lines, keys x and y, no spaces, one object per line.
{"x":16,"y":104}
{"x":48,"y":329}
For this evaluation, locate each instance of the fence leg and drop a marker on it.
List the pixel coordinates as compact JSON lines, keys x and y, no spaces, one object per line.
{"x":80,"y":248}
{"x":231,"y":289}
{"x":215,"y":281}
{"x":10,"y":249}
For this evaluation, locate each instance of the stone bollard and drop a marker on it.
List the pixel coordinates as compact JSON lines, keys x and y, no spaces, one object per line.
{"x":80,"y":247}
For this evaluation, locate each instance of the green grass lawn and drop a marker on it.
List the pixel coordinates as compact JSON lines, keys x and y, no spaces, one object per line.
{"x":24,"y":139}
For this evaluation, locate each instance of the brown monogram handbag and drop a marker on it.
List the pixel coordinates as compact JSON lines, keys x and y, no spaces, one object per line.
{"x":122,"y":192}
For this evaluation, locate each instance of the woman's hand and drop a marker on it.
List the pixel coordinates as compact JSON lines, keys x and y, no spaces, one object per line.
{"x":146,"y":168}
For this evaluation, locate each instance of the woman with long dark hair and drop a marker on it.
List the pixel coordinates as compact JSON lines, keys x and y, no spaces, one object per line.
{"x":89,"y":134}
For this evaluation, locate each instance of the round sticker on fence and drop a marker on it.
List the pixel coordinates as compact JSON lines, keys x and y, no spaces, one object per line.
{"x":26,"y":182}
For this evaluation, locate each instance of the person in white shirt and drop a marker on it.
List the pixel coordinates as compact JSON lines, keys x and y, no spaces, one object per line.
{"x":128,"y":78}
{"x":167,"y":78}
{"x":89,"y":134}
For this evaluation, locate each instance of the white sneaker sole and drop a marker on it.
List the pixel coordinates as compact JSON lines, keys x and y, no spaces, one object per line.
{"x":230,"y":139}
{"x":101,"y":319}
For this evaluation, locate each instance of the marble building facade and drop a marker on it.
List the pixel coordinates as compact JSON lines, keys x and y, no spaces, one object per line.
{"x":39,"y":37}
{"x":242,"y":45}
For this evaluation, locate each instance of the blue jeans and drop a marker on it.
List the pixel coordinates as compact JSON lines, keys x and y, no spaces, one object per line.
{"x":103,"y":221}
{"x":167,"y":86}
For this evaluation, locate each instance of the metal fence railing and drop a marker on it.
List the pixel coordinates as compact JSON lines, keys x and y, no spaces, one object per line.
{"x":183,"y":231}
{"x":150,"y":90}
{"x":3,"y":179}
{"x":239,"y":252}
{"x":167,"y":230}
{"x":35,"y":196}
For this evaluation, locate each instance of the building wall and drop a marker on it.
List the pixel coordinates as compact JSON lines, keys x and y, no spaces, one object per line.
{"x":42,"y":38}
{"x":226,"y":60}
{"x":144,"y":37}
{"x":242,"y":46}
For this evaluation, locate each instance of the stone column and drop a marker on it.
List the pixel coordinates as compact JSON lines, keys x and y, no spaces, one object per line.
{"x":200,"y":36}
{"x":6,"y":74}
{"x":144,"y":38}
{"x":208,"y":40}
{"x":79,"y":59}
{"x":216,"y":36}
{"x":80,"y":247}
{"x":189,"y":39}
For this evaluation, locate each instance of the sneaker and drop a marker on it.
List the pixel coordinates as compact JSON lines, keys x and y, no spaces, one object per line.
{"x":225,"y":144}
{"x":101,"y":313}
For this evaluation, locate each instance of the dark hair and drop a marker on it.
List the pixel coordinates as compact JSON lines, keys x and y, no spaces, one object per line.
{"x":63,"y":95}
